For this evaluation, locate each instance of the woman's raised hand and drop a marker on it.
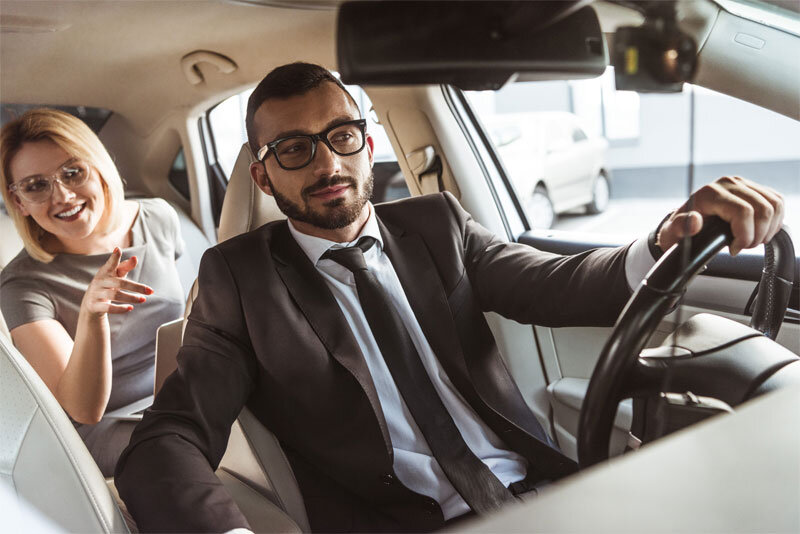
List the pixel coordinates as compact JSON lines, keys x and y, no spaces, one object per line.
{"x":109,"y":290}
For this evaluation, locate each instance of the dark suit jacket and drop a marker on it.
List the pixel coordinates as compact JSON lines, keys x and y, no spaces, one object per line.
{"x":266,"y":332}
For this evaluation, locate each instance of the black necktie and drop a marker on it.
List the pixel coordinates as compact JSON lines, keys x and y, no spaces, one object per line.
{"x":475,"y":482}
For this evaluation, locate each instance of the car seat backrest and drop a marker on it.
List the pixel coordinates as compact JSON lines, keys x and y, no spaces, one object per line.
{"x":254,"y":456}
{"x":42,"y":459}
{"x":245,"y":206}
{"x":4,"y":328}
{"x":10,"y":245}
{"x":196,"y":243}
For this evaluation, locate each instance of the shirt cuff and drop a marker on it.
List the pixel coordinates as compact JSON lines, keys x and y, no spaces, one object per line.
{"x":638,"y":262}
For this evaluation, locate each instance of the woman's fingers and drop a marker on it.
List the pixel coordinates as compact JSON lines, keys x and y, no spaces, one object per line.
{"x":110,"y":291}
{"x":127,"y":266}
{"x":101,"y":305}
{"x":128,"y":285}
{"x":113,"y":300}
{"x":117,"y":308}
{"x":113,"y":261}
{"x":118,"y":295}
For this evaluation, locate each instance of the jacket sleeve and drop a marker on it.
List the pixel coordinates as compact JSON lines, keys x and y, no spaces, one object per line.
{"x":166,"y":474}
{"x":536,"y":287}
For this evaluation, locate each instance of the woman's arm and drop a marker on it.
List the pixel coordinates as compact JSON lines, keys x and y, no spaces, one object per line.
{"x":78,"y":372}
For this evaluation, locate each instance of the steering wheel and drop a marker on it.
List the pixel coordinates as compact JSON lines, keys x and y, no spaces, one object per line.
{"x":616,"y":374}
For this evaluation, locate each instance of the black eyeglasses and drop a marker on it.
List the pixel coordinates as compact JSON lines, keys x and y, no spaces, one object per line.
{"x":297,"y":151}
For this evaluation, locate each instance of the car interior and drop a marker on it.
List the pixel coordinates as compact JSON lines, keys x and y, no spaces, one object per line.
{"x":640,"y":420}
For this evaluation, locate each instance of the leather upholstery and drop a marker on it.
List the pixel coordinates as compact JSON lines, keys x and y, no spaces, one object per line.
{"x":42,"y":458}
{"x":245,"y":206}
{"x":254,"y":463}
{"x":10,"y":246}
{"x":4,"y":328}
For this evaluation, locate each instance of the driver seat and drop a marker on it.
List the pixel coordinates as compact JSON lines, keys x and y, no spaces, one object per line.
{"x":254,"y":455}
{"x":254,"y":469}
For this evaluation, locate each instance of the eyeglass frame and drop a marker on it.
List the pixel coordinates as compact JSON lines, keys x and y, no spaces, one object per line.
{"x":269,"y":148}
{"x":52,"y":178}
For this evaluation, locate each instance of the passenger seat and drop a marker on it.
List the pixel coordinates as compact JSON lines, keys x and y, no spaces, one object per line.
{"x":254,"y":469}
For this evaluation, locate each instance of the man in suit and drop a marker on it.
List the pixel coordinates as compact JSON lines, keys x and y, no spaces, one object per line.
{"x":284,"y":326}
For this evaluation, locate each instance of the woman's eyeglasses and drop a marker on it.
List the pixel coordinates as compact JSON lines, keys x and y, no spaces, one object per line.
{"x":38,"y":189}
{"x":297,"y":151}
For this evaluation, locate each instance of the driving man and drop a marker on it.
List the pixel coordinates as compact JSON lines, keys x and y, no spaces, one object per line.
{"x":356,"y":334}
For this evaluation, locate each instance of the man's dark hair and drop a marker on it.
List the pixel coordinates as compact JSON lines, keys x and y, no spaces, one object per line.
{"x":294,"y":79}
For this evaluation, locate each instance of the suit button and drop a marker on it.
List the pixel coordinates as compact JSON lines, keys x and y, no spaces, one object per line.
{"x":431,"y":506}
{"x":387,"y":479}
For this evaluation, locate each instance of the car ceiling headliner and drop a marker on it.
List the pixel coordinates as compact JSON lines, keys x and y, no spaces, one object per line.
{"x":126,"y":55}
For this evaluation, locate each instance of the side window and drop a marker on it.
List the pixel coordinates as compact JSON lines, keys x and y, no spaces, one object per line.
{"x":592,"y":159}
{"x":178,"y":177}
{"x":227,"y":132}
{"x":557,"y":135}
{"x":226,"y":123}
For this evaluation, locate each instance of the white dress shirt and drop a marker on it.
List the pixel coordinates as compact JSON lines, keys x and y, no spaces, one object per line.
{"x":414,"y":463}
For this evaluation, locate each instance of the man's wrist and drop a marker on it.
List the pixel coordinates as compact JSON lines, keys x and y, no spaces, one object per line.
{"x":652,"y":239}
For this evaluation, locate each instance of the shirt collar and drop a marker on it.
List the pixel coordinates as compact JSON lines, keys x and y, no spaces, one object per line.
{"x":315,"y":247}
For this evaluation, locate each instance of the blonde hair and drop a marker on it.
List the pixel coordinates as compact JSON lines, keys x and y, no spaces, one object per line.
{"x":76,"y":139}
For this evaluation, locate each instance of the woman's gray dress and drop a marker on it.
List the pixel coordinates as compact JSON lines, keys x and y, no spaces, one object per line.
{"x":31,"y":291}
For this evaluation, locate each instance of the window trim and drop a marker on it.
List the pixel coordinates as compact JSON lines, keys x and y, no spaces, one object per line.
{"x":213,"y":169}
{"x":471,"y":127}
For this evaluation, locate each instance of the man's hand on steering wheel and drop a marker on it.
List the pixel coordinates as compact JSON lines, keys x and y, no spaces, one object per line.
{"x":755,"y":213}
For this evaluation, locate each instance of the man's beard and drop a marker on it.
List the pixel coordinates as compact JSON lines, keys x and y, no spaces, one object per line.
{"x":339,"y":214}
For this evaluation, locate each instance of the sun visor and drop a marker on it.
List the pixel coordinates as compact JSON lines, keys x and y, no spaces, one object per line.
{"x":473,"y":45}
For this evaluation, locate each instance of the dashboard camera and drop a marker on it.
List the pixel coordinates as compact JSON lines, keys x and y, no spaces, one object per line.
{"x":654,"y":57}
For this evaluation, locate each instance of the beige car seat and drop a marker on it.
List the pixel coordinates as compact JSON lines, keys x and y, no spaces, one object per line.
{"x":43,"y":460}
{"x":10,"y":246}
{"x":254,"y":469}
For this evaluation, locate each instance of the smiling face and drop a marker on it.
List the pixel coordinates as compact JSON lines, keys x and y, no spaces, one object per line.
{"x":70,"y":216}
{"x":327,"y":197}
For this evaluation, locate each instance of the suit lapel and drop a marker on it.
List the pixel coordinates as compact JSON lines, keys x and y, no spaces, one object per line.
{"x":322,"y":311}
{"x":423,"y":287}
{"x":478,"y":380}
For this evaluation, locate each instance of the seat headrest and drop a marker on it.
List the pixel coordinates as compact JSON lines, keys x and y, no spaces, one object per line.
{"x":245,"y":206}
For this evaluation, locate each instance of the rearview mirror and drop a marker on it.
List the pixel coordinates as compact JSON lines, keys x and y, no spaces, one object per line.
{"x":474,"y":45}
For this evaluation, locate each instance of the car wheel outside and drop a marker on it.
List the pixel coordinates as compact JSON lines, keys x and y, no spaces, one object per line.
{"x":540,"y":208}
{"x":601,"y":192}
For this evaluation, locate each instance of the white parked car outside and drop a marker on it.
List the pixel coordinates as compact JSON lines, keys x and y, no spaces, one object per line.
{"x":553,"y":163}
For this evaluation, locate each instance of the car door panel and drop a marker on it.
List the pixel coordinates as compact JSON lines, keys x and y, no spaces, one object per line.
{"x":566,"y":397}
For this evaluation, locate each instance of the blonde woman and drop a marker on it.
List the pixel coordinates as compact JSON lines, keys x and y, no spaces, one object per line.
{"x":96,"y":278}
